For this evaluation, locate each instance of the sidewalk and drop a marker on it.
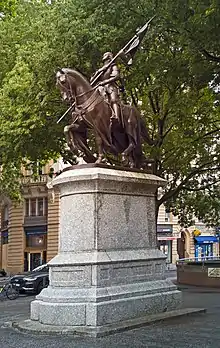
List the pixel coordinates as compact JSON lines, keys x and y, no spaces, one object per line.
{"x":171,"y":274}
{"x":199,"y":331}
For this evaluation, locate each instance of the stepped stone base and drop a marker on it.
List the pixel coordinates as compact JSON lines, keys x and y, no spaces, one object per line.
{"x":104,"y":330}
{"x":108,"y":269}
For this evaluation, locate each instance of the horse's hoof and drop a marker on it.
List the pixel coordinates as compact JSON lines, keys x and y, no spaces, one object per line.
{"x":124,"y":161}
{"x":98,"y":161}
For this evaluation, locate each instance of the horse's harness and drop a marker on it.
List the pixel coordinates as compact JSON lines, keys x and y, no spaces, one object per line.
{"x":85,"y":107}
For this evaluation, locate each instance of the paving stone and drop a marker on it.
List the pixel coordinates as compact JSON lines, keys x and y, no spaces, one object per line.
{"x":201,"y":331}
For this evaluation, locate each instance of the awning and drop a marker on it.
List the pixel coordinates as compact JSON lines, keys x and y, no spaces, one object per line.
{"x":4,"y":233}
{"x":206,"y":239}
{"x":35,"y":230}
{"x":164,"y":229}
{"x":166,"y":238}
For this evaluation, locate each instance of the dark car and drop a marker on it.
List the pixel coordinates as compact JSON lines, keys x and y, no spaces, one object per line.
{"x":33,"y":281}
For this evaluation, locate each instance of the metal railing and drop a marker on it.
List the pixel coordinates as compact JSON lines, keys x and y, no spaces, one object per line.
{"x":198,"y":259}
{"x":27,"y":180}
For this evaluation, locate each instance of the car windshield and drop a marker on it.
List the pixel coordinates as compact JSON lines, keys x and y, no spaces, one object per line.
{"x":40,"y":268}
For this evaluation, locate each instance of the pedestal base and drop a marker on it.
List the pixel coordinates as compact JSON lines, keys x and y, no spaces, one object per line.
{"x":108,"y":269}
{"x":126,"y":289}
{"x":30,"y":326}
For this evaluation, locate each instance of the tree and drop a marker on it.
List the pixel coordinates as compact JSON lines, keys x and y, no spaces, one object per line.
{"x":171,"y":78}
{"x":7,"y":8}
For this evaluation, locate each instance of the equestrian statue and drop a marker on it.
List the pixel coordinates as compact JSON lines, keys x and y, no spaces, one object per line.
{"x":117,"y":128}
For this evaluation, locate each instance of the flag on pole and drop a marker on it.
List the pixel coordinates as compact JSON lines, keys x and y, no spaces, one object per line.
{"x":135,"y":42}
{"x":128,"y":50}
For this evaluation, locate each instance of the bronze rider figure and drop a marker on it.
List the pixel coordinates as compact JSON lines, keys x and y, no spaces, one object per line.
{"x":107,"y":83}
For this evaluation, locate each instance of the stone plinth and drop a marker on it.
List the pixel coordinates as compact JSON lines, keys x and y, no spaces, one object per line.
{"x":108,"y":268}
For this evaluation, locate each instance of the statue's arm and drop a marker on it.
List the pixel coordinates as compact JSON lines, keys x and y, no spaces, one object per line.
{"x":97,"y":73}
{"x":115,"y":75}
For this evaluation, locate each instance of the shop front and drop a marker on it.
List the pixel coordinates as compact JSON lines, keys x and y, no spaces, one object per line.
{"x":4,"y":237}
{"x":4,"y":249}
{"x":165,"y":240}
{"x":35,"y":253}
{"x":204,"y":247}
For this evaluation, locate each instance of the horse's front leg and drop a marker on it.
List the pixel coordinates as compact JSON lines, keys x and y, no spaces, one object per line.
{"x":99,"y":144}
{"x":127,"y":157}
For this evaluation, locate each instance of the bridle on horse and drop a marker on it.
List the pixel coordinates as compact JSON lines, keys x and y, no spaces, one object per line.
{"x":89,"y":104}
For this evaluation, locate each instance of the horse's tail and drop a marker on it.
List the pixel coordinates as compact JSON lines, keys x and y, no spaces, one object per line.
{"x":145,"y":133}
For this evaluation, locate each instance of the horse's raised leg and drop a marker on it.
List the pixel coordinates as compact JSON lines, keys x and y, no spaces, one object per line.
{"x":68,"y":132}
{"x":84,"y":148}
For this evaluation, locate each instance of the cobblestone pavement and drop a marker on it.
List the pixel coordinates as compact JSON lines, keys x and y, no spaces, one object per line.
{"x":200,"y":331}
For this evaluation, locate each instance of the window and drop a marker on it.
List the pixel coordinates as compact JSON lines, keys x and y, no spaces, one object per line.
{"x":166,"y":247}
{"x":5,"y":239}
{"x":40,"y":206}
{"x":36,"y":241}
{"x":26,"y":207}
{"x":167,"y":216}
{"x":5,"y":217}
{"x":33,"y":209}
{"x":6,"y":213}
{"x":4,"y":225}
{"x":36,"y":168}
{"x":36,"y":206}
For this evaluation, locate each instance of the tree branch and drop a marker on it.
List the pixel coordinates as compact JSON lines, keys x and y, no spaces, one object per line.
{"x":133,"y":98}
{"x":206,"y":134}
{"x":152,"y":103}
{"x":201,"y":188}
{"x":168,"y":131}
{"x":157,"y":102}
{"x":210,"y":56}
{"x":176,"y":191}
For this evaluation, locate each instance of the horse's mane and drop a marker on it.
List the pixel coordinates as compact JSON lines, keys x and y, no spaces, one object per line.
{"x":75,"y":73}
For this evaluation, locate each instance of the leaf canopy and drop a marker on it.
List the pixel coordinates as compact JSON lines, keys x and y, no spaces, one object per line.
{"x":174,"y":80}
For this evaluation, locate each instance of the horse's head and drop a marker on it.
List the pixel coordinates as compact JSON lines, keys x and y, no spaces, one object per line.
{"x":73,"y":86}
{"x":65,"y":84}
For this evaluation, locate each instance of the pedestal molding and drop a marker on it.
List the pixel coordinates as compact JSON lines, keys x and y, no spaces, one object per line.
{"x":108,"y":268}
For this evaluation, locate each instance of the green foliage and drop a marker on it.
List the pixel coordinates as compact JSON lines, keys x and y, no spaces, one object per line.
{"x":174,"y":76}
{"x":8,"y":8}
{"x":204,"y":204}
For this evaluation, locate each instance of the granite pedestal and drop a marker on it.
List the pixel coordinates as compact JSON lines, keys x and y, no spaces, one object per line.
{"x":108,"y":269}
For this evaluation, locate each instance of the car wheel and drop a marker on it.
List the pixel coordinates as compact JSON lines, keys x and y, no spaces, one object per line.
{"x":40,"y":287}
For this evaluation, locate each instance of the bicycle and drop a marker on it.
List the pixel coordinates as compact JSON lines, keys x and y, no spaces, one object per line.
{"x":8,"y":291}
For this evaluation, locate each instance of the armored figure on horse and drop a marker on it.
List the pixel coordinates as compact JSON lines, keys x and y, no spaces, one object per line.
{"x":117,"y":127}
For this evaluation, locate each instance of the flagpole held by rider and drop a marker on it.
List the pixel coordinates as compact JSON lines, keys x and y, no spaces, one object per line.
{"x":130,"y":48}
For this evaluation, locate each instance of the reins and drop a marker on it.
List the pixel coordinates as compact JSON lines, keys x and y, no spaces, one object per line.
{"x":90,"y":103}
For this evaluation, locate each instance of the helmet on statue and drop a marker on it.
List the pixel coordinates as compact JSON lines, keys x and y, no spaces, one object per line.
{"x":107,"y":55}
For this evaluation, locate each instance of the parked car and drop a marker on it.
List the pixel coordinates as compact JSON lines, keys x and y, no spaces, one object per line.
{"x":32,"y":282}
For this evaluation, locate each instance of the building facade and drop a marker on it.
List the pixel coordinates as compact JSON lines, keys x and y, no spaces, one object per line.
{"x":30,"y":229}
{"x":177,"y":243}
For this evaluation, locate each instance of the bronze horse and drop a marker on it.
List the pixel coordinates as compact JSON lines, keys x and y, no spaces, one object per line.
{"x":92,"y":111}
